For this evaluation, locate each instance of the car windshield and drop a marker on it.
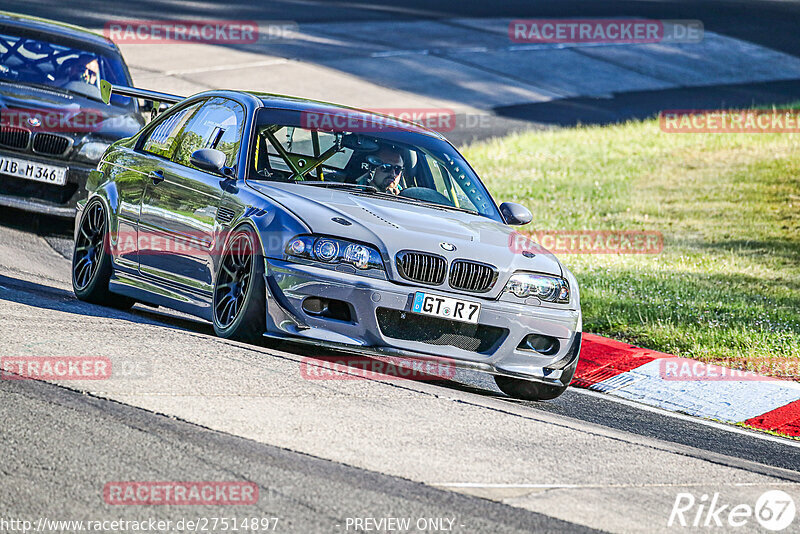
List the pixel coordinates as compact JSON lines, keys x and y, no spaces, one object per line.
{"x":382,"y":159}
{"x":69,"y":67}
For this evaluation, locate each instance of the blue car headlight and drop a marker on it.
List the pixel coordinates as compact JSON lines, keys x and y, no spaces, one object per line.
{"x":334,"y":250}
{"x":544,"y":287}
{"x":92,"y":151}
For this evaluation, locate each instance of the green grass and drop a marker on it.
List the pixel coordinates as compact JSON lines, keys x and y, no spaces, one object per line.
{"x":727,"y":284}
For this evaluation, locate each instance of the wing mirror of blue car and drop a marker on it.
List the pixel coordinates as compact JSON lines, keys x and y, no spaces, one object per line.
{"x":212,"y":160}
{"x":515,"y":214}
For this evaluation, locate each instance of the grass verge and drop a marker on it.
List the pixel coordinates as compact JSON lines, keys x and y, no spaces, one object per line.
{"x":726,"y":286}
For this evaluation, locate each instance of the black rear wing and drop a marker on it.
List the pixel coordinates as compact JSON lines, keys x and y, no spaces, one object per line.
{"x":106,"y":90}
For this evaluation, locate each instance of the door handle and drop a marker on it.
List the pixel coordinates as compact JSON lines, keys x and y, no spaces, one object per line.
{"x":157,"y":177}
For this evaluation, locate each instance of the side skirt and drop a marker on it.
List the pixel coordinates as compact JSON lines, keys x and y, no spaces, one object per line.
{"x":148,"y":290}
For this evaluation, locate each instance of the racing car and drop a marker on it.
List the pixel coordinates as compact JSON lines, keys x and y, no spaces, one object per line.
{"x":276,"y":217}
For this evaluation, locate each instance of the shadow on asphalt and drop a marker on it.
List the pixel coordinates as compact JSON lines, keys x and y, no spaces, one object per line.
{"x":646,"y":104}
{"x":52,"y":298}
{"x":43,"y":225}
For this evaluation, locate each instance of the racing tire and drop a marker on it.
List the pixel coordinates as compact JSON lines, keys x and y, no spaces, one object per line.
{"x":91,"y":261}
{"x":528,"y":389}
{"x":240,"y":301}
{"x":536,"y":391}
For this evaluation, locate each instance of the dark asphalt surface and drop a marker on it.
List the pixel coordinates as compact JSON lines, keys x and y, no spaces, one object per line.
{"x":765,"y":22}
{"x":747,"y":446}
{"x":618,"y":416}
{"x":60,"y":448}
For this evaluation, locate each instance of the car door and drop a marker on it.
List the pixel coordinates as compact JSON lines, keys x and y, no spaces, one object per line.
{"x":131,"y":171}
{"x":179,"y":207}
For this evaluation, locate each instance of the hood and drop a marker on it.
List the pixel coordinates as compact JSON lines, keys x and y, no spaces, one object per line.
{"x":393,"y":226}
{"x":69,"y":114}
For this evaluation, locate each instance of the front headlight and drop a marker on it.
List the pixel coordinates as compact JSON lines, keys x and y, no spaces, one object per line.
{"x":542,"y":286}
{"x":333,"y":250}
{"x":92,"y":151}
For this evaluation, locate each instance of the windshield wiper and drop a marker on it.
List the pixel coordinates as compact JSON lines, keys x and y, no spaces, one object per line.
{"x":419,"y":201}
{"x":53,"y":88}
{"x":372,"y":190}
{"x":340,"y":185}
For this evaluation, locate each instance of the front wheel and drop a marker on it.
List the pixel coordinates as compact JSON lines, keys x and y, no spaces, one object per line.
{"x":91,"y":260}
{"x":535,"y":391}
{"x":527,"y":389}
{"x":239,"y":293}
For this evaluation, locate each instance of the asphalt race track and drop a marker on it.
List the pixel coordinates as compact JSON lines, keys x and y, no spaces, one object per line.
{"x":329,"y":455}
{"x":454,"y":55}
{"x":200,"y":408}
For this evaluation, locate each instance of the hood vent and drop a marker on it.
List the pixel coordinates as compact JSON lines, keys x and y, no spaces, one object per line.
{"x":390,"y":223}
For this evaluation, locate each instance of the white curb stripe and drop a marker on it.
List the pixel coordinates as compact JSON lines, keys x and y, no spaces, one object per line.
{"x":755,"y":434}
{"x":723,"y":400}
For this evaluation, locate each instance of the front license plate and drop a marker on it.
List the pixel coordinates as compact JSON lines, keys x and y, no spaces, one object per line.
{"x":31,"y":170}
{"x":438,"y":306}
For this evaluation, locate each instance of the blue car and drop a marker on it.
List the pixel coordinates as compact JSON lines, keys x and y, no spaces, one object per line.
{"x":54,"y":126}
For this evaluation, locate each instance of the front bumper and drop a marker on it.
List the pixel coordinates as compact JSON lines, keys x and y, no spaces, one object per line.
{"x":48,"y":199}
{"x":289,"y":284}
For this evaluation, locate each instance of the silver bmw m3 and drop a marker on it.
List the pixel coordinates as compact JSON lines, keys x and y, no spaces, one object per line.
{"x":285,"y":218}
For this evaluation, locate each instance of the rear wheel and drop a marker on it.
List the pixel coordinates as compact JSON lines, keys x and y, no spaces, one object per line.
{"x":239,"y":303}
{"x":91,"y":260}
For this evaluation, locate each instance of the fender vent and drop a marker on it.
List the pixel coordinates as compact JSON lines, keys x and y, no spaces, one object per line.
{"x":225,"y":215}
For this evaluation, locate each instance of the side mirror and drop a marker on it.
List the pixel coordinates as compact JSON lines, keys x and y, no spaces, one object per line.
{"x":212,"y":160}
{"x":515,"y":214}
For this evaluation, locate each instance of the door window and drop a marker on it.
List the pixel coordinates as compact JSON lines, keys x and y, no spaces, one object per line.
{"x":161,"y":140}
{"x":218,"y":124}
